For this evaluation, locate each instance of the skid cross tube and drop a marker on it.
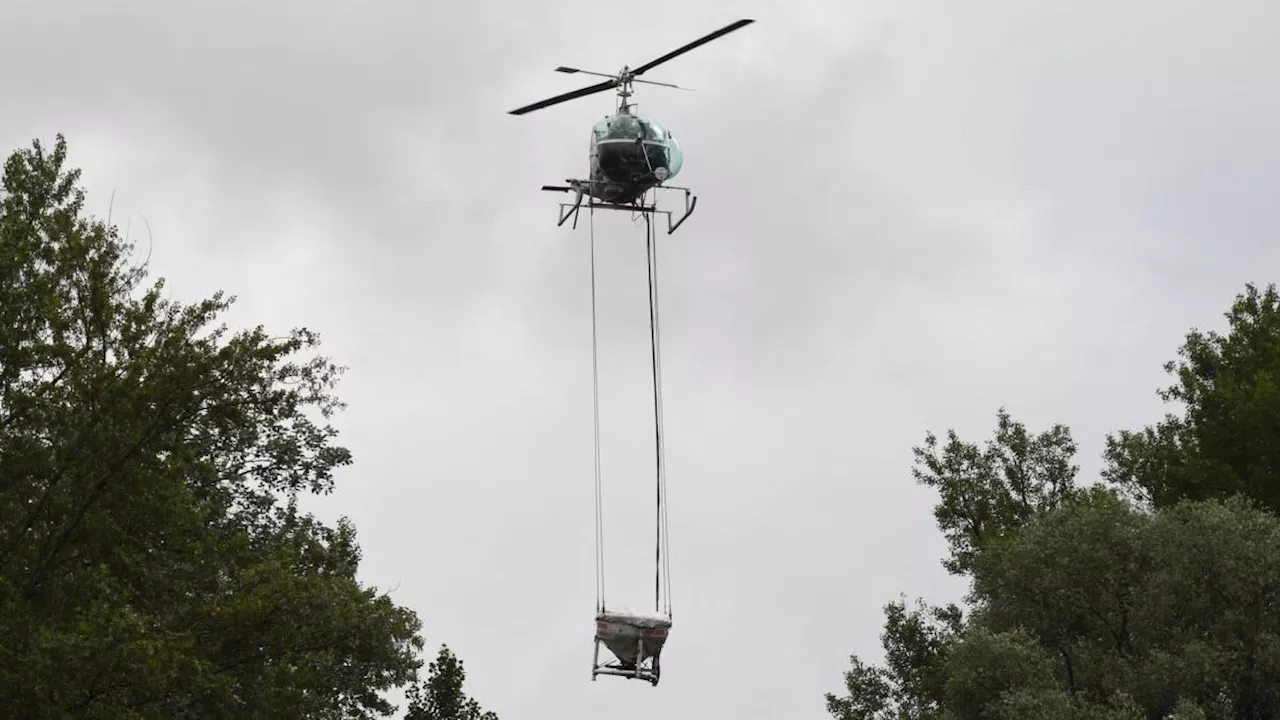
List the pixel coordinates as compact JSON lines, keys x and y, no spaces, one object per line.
{"x":568,"y":210}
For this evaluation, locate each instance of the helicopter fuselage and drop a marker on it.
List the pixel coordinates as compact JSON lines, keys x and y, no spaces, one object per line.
{"x":629,"y":154}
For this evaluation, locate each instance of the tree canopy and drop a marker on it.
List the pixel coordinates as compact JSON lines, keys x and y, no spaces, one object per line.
{"x":154,"y":562}
{"x":1227,"y":439}
{"x":1148,"y":596}
{"x":441,"y":696}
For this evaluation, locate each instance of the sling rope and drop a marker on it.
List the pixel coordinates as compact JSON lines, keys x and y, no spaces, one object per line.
{"x":595,"y":393}
{"x":662,"y":563}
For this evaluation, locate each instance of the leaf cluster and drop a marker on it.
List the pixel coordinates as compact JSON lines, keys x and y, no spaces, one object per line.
{"x":441,"y":696}
{"x":1149,"y":599}
{"x":153,"y":559}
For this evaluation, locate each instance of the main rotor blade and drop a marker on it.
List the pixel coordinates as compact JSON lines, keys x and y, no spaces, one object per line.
{"x":651,"y":82}
{"x":571,"y":71}
{"x":589,"y":90}
{"x":696,"y":43}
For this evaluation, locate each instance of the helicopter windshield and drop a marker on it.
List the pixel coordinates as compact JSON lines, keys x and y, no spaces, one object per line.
{"x":630,"y":127}
{"x":622,"y":127}
{"x":653,"y":131}
{"x":661,"y":148}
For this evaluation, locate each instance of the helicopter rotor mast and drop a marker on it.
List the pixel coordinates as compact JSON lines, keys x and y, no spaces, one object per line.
{"x":622,"y":80}
{"x":622,"y":83}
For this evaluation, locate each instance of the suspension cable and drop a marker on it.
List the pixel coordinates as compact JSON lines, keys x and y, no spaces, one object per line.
{"x":662,"y":568}
{"x":595,"y":401}
{"x":662,"y":435}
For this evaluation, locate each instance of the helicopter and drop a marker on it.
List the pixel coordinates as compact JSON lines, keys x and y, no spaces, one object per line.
{"x":629,"y":153}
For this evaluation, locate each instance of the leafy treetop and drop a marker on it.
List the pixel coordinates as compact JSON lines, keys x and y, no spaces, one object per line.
{"x":441,"y":697}
{"x":153,"y":559}
{"x":1152,"y":599}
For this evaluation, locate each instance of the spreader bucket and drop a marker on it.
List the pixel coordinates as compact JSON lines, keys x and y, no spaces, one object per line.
{"x":634,"y":639}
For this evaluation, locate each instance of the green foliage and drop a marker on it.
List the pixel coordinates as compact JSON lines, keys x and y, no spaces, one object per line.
{"x":983,"y":669}
{"x":1068,"y":579}
{"x":1093,"y":610}
{"x":910,"y":687}
{"x":987,"y":492}
{"x":1152,"y":600}
{"x":153,"y":561}
{"x":1162,"y":608}
{"x":1227,"y":440}
{"x":441,"y":697}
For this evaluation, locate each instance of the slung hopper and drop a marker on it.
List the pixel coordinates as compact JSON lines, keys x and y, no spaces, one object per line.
{"x":635,"y":639}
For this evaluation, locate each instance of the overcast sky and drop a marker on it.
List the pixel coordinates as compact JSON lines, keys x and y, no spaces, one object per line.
{"x":911,"y":213}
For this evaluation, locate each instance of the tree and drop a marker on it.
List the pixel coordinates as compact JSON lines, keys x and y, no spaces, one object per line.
{"x":1158,"y":612}
{"x":986,"y":493}
{"x":911,"y":685}
{"x":441,"y":697}
{"x":153,"y":559}
{"x":1098,"y":609}
{"x":1227,"y":440}
{"x":1150,"y":599}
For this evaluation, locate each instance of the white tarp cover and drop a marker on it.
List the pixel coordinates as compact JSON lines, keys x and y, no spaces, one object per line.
{"x":621,"y":630}
{"x":638,"y":618}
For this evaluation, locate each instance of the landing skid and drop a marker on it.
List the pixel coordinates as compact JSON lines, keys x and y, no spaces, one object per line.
{"x":580,"y":187}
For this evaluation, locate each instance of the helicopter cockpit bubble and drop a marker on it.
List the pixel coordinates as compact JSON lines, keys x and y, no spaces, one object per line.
{"x":634,"y":149}
{"x":675,"y":156}
{"x":600,"y":131}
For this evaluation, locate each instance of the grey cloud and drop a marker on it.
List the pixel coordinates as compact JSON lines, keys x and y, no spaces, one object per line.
{"x":911,"y":213}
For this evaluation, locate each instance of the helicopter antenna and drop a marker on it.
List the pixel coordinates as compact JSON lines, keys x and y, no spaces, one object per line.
{"x":622,"y":81}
